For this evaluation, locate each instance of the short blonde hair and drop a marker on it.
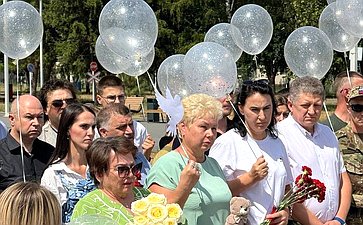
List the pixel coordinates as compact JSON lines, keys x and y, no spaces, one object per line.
{"x":198,"y":106}
{"x":29,"y":203}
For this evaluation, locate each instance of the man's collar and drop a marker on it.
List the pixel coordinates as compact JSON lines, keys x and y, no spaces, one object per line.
{"x":12,"y":143}
{"x":49,"y":124}
{"x":302,"y":129}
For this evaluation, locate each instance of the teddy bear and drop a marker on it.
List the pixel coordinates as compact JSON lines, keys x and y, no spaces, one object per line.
{"x":239,"y":209}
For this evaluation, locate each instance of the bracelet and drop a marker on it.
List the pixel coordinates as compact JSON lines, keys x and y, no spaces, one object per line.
{"x":340,"y":220}
{"x":290,"y":211}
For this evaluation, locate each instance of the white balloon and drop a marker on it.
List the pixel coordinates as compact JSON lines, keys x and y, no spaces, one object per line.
{"x":341,"y":40}
{"x":128,"y":27}
{"x":21,"y":29}
{"x":140,"y":65}
{"x":330,"y":1}
{"x":308,"y":52}
{"x":170,"y":74}
{"x":349,"y":14}
{"x":255,"y":25}
{"x":127,"y":43}
{"x":108,"y":59}
{"x":221,"y":33}
{"x":210,"y":69}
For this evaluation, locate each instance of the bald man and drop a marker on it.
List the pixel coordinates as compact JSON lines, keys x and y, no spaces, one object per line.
{"x":27,"y":124}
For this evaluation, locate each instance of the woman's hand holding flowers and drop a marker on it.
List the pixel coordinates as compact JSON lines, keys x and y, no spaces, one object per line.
{"x":279,"y":218}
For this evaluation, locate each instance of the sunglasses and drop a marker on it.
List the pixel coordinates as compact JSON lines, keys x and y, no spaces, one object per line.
{"x":356,"y":107}
{"x":112,"y":98}
{"x":124,"y":171}
{"x":60,"y":102}
{"x":284,"y":114}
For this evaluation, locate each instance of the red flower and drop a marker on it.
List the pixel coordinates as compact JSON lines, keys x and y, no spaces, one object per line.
{"x":305,"y":188}
{"x":321,"y":190}
{"x":138,"y":178}
{"x":303,"y":180}
{"x":307,"y":170}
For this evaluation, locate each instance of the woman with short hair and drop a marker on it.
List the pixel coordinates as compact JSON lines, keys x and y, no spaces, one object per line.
{"x":112,"y":166}
{"x":186,"y":175}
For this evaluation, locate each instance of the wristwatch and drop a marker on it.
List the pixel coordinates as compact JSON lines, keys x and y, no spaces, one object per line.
{"x":340,"y":220}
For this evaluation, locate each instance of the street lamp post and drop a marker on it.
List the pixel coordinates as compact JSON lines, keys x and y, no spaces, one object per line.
{"x":41,"y":49}
{"x":6,"y":81}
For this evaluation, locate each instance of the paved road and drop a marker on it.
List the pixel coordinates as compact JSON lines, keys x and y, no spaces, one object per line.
{"x":157,"y":130}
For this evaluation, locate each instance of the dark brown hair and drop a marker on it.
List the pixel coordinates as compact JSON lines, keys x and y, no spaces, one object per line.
{"x":68,"y":118}
{"x":109,"y":81}
{"x":99,"y":152}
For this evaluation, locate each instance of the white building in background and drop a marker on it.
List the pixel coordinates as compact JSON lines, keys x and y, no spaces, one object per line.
{"x":281,"y":78}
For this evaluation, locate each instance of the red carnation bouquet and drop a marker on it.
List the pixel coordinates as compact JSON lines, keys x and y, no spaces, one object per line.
{"x":305,"y":188}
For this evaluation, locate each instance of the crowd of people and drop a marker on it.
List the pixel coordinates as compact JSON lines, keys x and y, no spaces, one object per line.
{"x":62,"y":160}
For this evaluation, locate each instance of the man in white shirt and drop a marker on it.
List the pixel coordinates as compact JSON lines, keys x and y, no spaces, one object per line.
{"x":115,"y":120}
{"x":311,"y":144}
{"x":110,"y":89}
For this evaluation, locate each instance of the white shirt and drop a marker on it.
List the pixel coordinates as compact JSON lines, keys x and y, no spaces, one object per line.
{"x":52,"y":181}
{"x":320,"y":152}
{"x":140,"y":134}
{"x":3,"y":130}
{"x":236,"y":155}
{"x":49,"y":134}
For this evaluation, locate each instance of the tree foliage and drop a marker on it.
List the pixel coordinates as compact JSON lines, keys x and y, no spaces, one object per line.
{"x":71,"y":30}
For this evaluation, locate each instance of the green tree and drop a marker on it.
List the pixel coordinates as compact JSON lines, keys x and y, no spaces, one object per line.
{"x":71,"y":33}
{"x":71,"y":30}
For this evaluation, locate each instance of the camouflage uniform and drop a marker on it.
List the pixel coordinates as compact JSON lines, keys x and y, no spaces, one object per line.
{"x":351,"y":146}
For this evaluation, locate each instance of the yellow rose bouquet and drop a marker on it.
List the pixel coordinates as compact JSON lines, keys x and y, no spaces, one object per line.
{"x":153,"y":210}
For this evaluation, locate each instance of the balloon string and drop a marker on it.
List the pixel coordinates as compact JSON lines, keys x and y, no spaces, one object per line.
{"x":244,"y":124}
{"x":256,"y":63}
{"x":346,"y":66}
{"x":19,"y":118}
{"x":138,"y":85}
{"x":249,"y":132}
{"x":328,"y":116}
{"x":151,"y":80}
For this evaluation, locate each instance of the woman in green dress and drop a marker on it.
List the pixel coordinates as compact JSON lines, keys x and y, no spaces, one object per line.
{"x":112,"y":165}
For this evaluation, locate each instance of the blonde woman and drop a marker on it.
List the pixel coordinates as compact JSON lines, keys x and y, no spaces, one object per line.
{"x":186,"y":175}
{"x":30,"y":204}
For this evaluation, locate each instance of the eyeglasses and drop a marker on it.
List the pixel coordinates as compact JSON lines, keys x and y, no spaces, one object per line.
{"x":112,"y":98}
{"x":60,"y":102}
{"x":124,"y":171}
{"x":356,"y":107}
